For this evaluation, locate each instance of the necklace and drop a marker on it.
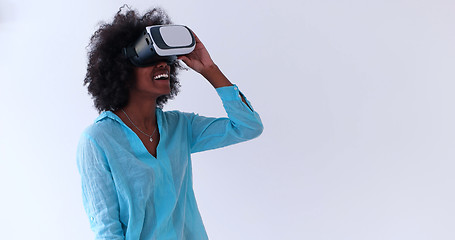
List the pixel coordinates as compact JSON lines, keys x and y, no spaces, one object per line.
{"x":150,"y":136}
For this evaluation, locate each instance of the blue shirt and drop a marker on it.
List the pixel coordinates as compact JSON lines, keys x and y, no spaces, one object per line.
{"x":129,"y":194}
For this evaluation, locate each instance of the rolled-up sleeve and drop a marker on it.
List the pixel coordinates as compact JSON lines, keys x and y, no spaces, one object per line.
{"x":98,"y":190}
{"x":242,"y":123}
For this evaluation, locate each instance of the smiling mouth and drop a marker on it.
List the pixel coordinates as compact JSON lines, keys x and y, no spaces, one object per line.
{"x":163,"y":76}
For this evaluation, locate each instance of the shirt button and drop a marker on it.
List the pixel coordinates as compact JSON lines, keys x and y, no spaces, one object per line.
{"x":92,"y":218}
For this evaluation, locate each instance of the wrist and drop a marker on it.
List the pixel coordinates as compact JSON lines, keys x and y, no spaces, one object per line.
{"x":214,"y":75}
{"x":210,"y":70}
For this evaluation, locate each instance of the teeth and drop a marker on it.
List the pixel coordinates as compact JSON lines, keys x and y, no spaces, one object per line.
{"x":164,"y":75}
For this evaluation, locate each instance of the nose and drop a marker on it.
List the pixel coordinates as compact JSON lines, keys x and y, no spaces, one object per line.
{"x":161,"y":64}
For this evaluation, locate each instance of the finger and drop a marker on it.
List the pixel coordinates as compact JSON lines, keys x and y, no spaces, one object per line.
{"x":195,"y":37}
{"x":185,"y":59}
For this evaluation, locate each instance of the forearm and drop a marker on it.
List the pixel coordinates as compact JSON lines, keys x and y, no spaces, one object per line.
{"x":240,"y":125}
{"x":214,"y":75}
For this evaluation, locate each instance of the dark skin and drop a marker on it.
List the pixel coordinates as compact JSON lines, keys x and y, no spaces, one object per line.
{"x":142,"y":101}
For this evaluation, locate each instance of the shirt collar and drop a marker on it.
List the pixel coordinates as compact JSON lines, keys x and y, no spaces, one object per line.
{"x":108,"y":114}
{"x":113,"y":116}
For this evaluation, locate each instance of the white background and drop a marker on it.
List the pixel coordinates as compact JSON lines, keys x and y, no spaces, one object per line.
{"x":356,"y":98}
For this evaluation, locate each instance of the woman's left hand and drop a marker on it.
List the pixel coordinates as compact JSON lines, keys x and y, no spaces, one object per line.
{"x":199,"y":59}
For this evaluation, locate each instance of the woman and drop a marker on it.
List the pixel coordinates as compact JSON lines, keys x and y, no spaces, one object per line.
{"x":135,"y":161}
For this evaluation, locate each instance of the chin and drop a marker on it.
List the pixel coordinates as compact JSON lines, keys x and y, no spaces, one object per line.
{"x":167,"y":92}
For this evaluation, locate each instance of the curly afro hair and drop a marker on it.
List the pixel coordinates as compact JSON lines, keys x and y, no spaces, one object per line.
{"x":109,"y":73}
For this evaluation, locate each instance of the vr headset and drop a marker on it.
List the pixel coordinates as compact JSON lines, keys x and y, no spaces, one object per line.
{"x":160,"y":43}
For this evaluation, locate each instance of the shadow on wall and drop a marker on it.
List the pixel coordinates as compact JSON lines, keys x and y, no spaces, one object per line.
{"x":7,"y":13}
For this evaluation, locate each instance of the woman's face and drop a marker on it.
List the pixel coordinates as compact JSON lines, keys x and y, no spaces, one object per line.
{"x":152,"y":81}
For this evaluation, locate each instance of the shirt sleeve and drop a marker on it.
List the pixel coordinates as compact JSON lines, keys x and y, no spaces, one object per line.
{"x":98,"y":190}
{"x":242,"y":123}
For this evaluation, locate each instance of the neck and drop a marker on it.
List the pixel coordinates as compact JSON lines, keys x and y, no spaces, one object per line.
{"x":141,"y":111}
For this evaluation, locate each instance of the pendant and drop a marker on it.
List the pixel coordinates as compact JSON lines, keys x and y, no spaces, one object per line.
{"x":151,"y":139}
